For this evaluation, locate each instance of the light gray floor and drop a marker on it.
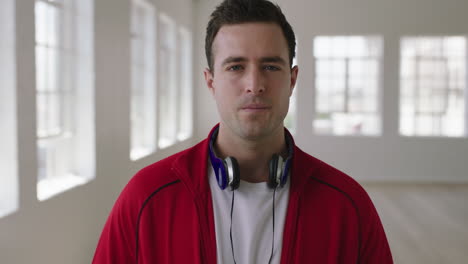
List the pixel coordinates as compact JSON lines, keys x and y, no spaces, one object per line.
{"x":424,"y":223}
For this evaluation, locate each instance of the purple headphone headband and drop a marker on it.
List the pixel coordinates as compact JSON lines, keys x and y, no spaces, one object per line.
{"x":219,"y":165}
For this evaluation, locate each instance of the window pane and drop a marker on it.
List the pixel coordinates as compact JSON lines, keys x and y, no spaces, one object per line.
{"x":54,"y":20}
{"x":167,"y":96}
{"x":41,"y":69}
{"x":185,"y":85}
{"x":433,"y":83}
{"x":41,"y":12}
{"x":64,"y":96}
{"x":347,"y":85}
{"x":143,"y":117}
{"x":52,"y":68}
{"x":290,"y":122}
{"x":9,"y":191}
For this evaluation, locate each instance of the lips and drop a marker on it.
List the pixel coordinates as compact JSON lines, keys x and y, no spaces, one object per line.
{"x":255,"y":107}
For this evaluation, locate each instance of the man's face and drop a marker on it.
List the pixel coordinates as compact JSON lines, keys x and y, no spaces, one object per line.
{"x":251,"y":79}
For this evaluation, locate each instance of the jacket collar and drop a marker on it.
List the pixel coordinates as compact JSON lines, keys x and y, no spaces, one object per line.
{"x":191,"y":166}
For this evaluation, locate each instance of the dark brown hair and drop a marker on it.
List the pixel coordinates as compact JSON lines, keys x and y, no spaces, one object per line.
{"x":231,"y":12}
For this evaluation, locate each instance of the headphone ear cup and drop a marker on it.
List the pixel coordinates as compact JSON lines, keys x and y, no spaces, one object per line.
{"x":272,"y":183}
{"x":233,"y":168}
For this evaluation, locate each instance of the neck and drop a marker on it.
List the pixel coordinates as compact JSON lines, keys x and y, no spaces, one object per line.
{"x":253,"y":156}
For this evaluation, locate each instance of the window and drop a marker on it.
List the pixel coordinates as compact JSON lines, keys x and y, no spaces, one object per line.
{"x":143,"y":88}
{"x":290,"y":121}
{"x":185,"y":96}
{"x":64,"y":95}
{"x":167,"y":97}
{"x":433,"y":86}
{"x":8,"y":141}
{"x":348,"y":76}
{"x":176,"y":84}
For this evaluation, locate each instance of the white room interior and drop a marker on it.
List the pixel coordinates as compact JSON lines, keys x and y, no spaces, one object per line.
{"x":65,"y":228}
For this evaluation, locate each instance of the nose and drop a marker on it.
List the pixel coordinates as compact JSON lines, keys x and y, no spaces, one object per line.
{"x":254,"y":82}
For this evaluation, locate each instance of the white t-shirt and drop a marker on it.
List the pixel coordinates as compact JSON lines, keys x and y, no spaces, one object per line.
{"x":252,"y":220}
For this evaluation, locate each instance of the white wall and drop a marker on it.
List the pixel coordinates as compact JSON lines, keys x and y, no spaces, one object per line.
{"x":389,"y":157}
{"x":65,"y":228}
{"x":8,"y":155}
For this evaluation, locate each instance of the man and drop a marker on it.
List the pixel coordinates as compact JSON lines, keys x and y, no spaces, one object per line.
{"x":246,"y":194}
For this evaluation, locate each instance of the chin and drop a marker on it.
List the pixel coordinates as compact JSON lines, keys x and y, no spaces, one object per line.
{"x":255,"y":131}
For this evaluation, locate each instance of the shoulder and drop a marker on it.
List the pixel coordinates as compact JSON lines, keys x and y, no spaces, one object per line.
{"x":336,"y":194}
{"x":166,"y":172}
{"x":333,"y":180}
{"x":153,"y":176}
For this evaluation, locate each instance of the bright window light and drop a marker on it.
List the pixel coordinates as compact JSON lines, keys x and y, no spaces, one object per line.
{"x":347,"y":80}
{"x":143,"y":89}
{"x":433,"y":86}
{"x":167,"y":91}
{"x":64,"y":95}
{"x":290,"y":121}
{"x":185,"y":85}
{"x":8,"y":141}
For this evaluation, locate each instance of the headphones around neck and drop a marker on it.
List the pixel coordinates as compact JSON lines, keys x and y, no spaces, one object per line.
{"x":228,"y":173}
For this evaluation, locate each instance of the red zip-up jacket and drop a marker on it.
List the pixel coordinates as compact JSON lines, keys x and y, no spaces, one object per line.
{"x":165,"y":215}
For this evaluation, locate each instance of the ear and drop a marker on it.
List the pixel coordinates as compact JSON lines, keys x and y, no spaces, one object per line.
{"x":209,"y":80}
{"x":294,"y":72}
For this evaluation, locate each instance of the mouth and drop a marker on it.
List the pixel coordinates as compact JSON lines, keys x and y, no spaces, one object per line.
{"x":255,"y":108}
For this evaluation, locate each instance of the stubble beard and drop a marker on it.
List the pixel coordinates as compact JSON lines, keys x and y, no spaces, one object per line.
{"x":256,"y":128}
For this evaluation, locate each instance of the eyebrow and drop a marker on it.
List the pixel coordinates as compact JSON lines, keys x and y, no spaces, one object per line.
{"x":275,"y":59}
{"x":231,"y":59}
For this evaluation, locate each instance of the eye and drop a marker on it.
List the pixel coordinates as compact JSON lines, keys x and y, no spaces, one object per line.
{"x":271,"y":68}
{"x":234,"y":68}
